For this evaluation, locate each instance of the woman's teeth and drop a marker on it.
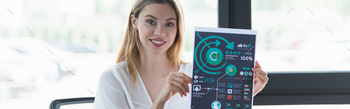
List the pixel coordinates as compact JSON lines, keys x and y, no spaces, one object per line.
{"x":157,"y":42}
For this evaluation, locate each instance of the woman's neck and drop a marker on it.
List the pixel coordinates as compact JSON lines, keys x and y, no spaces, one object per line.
{"x":155,"y":64}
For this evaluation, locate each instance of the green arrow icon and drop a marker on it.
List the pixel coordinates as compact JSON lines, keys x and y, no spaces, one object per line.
{"x":217,"y":43}
{"x":230,"y":45}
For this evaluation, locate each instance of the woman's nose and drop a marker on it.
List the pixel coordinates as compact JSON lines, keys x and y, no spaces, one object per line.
{"x":159,"y":31}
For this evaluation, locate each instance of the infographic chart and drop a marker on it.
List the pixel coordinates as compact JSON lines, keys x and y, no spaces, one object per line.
{"x":222,"y":64}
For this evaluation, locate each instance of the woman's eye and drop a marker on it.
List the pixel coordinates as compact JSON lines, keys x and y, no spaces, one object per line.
{"x":151,"y":22}
{"x":170,"y":24}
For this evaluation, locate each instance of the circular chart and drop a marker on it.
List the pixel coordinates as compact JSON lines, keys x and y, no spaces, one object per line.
{"x":207,"y":55}
{"x":214,"y":56}
{"x":230,"y":70}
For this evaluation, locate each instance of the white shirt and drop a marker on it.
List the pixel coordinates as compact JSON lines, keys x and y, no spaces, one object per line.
{"x":115,"y":91}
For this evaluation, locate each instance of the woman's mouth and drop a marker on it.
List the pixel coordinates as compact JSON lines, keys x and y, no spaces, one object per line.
{"x":157,"y":42}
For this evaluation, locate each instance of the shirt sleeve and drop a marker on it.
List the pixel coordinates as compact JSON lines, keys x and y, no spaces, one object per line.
{"x":109,"y":94}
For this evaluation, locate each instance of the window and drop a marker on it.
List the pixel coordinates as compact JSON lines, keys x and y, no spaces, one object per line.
{"x":302,"y":35}
{"x":304,"y":47}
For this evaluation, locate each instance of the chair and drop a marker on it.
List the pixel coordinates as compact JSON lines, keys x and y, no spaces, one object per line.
{"x":73,"y":103}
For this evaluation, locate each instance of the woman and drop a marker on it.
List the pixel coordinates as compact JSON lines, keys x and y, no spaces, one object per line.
{"x":149,"y":72}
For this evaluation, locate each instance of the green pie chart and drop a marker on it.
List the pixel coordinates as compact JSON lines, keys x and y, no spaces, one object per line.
{"x":214,"y":56}
{"x":230,"y":70}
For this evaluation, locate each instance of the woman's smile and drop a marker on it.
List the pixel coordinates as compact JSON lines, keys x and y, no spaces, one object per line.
{"x":157,"y":42}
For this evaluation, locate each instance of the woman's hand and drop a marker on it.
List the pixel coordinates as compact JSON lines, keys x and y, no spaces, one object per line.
{"x":260,"y":78}
{"x":176,"y":82}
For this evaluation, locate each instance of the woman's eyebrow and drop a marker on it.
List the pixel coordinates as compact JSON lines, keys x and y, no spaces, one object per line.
{"x":157,"y":19}
{"x":151,"y":16}
{"x":170,"y":19}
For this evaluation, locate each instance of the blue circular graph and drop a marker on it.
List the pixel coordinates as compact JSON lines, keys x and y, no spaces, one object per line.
{"x":231,"y":70}
{"x":214,"y":56}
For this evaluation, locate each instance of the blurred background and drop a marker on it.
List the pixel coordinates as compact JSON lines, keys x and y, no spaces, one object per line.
{"x":53,"y":49}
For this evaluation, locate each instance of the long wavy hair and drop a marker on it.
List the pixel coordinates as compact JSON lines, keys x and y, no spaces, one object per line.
{"x":131,"y":49}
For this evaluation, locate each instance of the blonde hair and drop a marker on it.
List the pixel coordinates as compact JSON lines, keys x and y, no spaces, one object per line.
{"x":131,"y":48}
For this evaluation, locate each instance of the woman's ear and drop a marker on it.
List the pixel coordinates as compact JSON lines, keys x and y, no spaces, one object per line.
{"x":133,"y":21}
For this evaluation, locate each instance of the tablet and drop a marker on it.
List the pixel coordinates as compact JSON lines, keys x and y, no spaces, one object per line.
{"x":222,"y":74}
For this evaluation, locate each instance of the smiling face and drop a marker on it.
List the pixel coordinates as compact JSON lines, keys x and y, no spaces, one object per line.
{"x":157,"y":27}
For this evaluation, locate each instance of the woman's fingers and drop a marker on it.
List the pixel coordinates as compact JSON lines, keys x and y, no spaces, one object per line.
{"x":262,"y":79}
{"x":176,"y":89}
{"x":179,"y":85}
{"x":183,"y":82}
{"x":259,"y":71}
{"x":180,"y":80}
{"x":183,"y":75}
{"x":261,"y":74}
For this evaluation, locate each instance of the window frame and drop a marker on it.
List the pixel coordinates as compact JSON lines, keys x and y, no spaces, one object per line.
{"x":288,"y":88}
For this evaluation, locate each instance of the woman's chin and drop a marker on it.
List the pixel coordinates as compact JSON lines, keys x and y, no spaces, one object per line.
{"x":158,"y":52}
